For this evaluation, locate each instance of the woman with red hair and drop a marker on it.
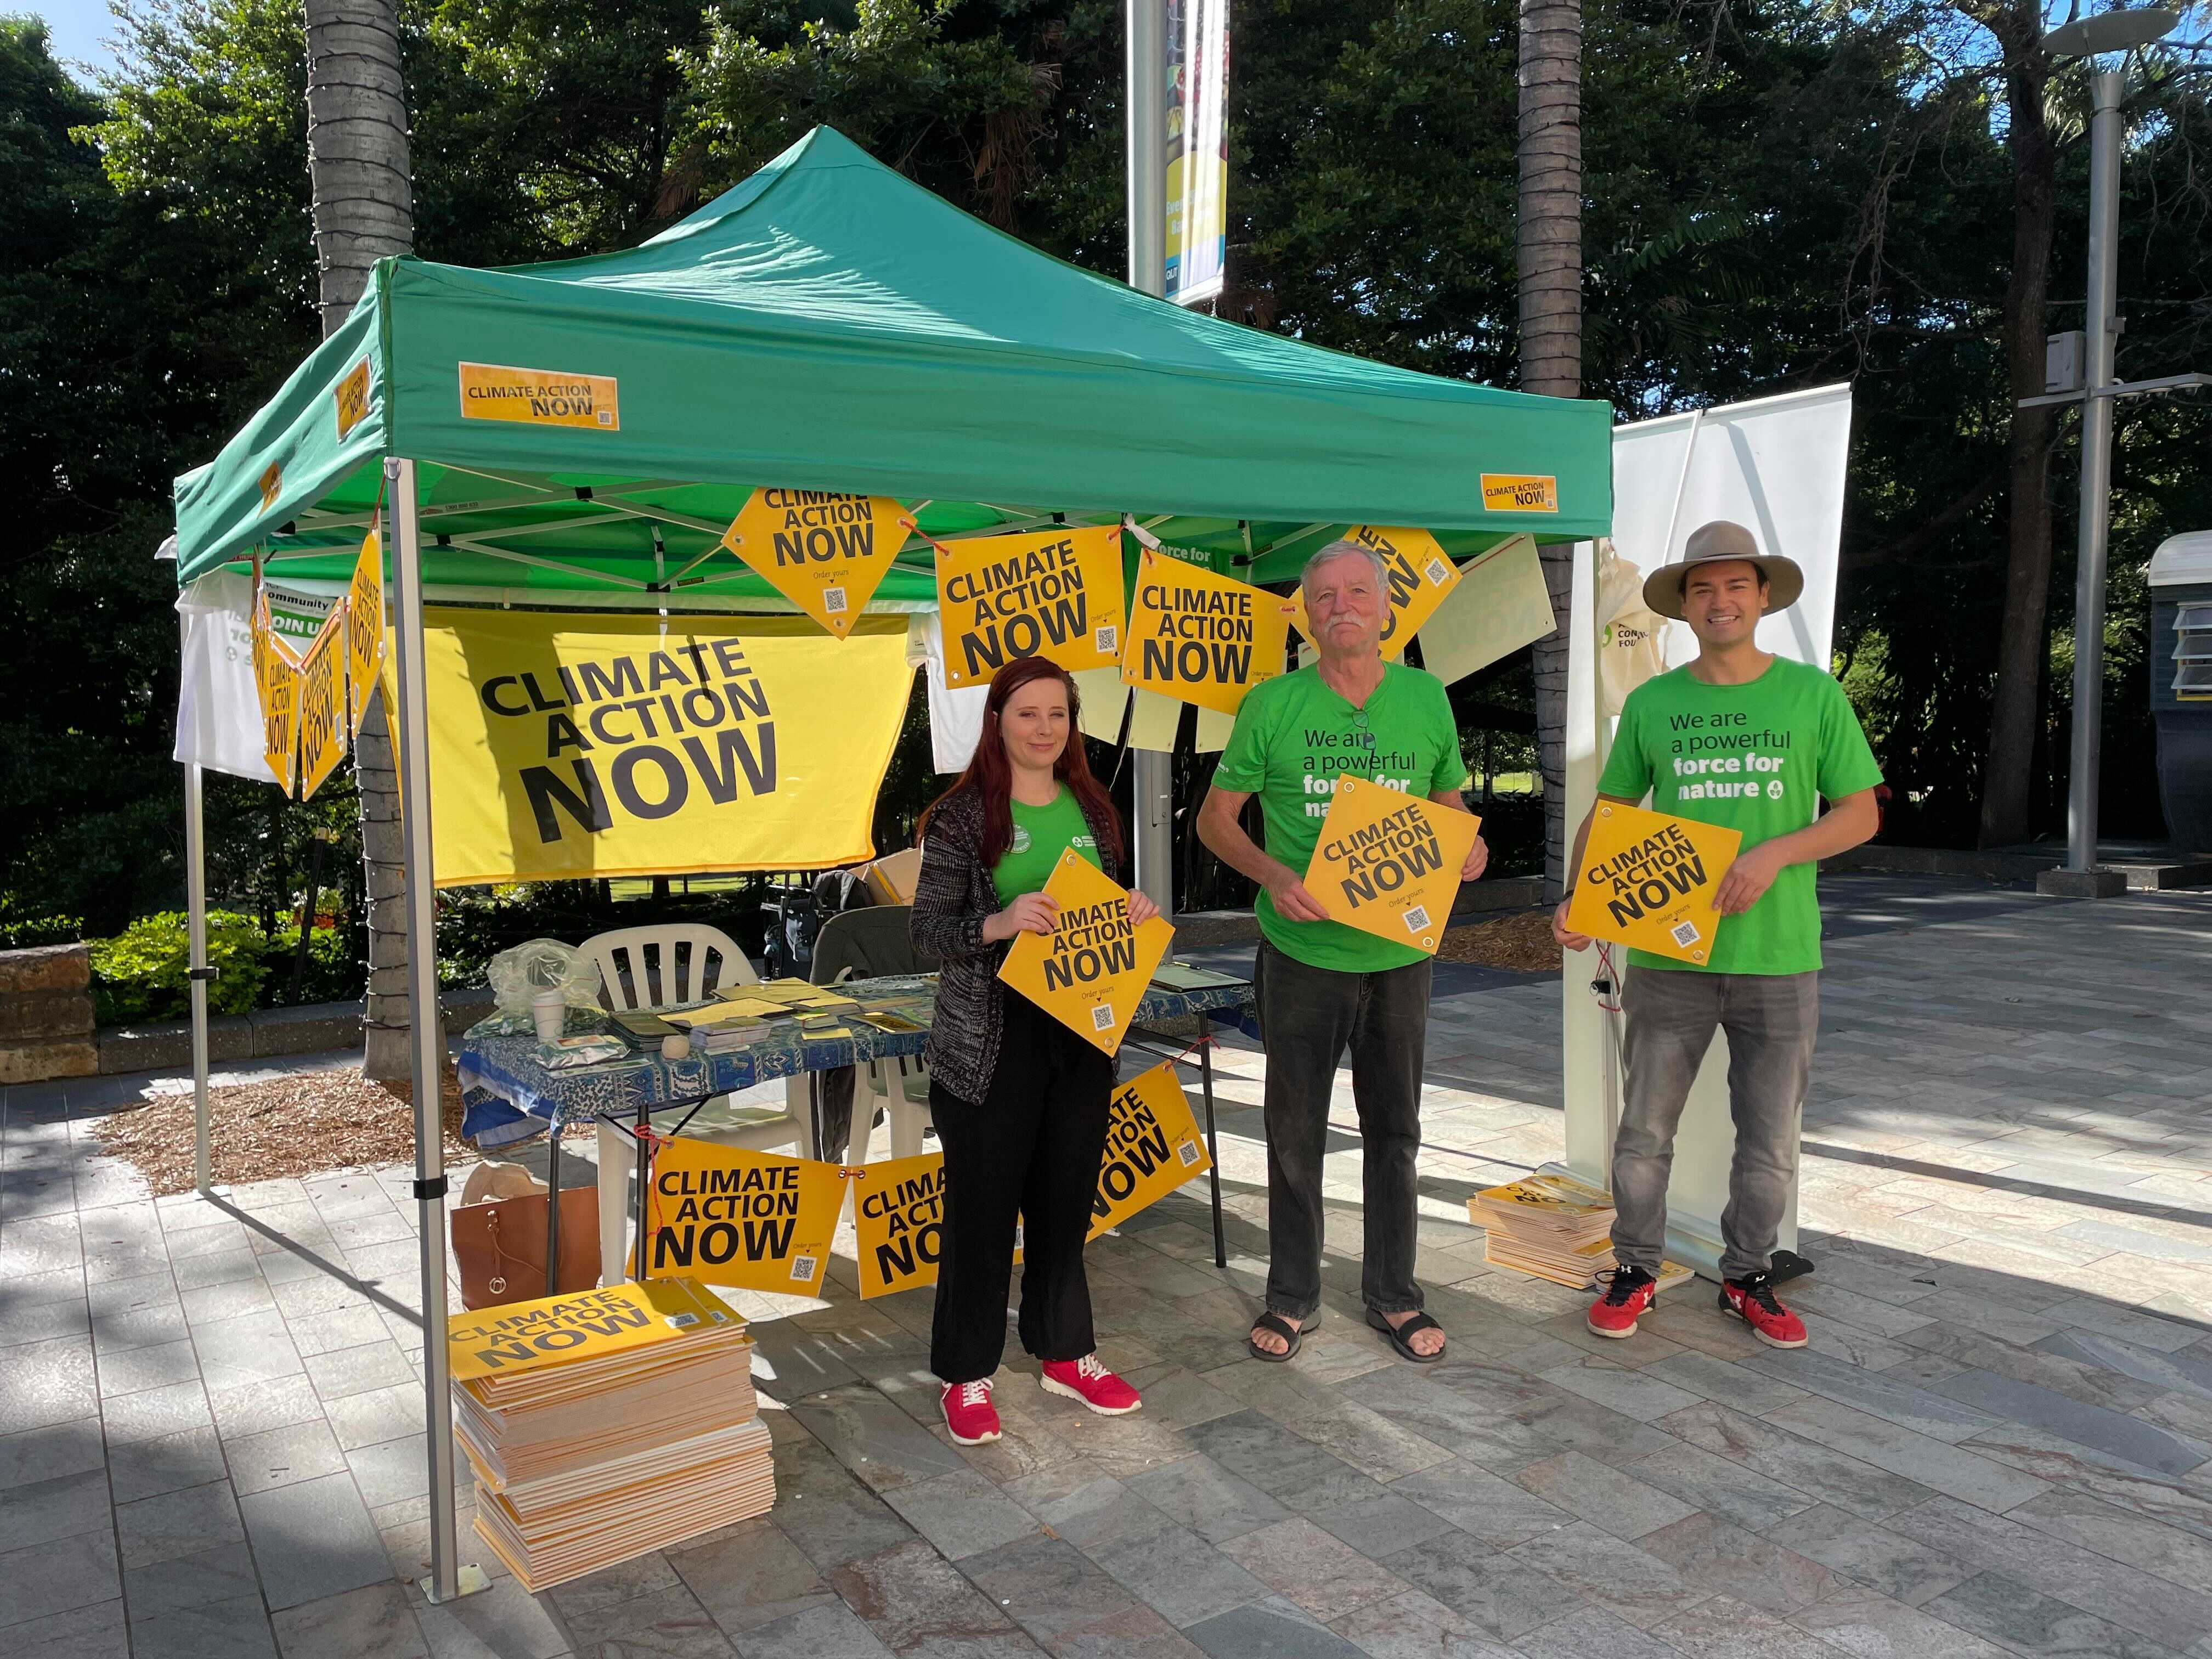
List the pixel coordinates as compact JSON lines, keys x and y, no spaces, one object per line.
{"x":1019,"y":1100}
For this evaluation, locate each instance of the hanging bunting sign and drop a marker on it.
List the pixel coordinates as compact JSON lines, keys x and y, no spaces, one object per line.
{"x":1057,"y":594}
{"x":1648,"y":881}
{"x":1388,"y":862}
{"x":825,"y":552}
{"x":756,"y":1220}
{"x":1420,"y":574}
{"x":278,"y":683}
{"x":364,"y":628}
{"x":1205,"y":638}
{"x":898,"y":1213}
{"x":1152,"y":1147}
{"x":323,"y":706}
{"x":1091,"y":971}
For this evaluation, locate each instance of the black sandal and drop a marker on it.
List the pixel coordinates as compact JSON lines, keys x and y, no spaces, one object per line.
{"x":1290,"y":1333}
{"x":1398,"y":1335}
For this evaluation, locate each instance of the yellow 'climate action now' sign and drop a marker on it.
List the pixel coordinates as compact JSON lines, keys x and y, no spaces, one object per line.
{"x":539,"y":397}
{"x":825,"y":552}
{"x":1520,"y":492}
{"x":1648,"y":881}
{"x":1091,"y":971}
{"x":1387,"y":863}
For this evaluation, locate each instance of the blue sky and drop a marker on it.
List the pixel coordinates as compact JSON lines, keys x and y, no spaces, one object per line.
{"x":77,"y":28}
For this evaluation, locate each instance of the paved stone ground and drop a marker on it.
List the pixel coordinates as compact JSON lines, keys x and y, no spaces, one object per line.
{"x":1997,"y":1444}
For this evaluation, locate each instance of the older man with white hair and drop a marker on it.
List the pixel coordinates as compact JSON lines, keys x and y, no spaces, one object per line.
{"x":1324,"y":987}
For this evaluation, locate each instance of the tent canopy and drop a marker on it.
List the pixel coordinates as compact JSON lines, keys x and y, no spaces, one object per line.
{"x":830,"y":324}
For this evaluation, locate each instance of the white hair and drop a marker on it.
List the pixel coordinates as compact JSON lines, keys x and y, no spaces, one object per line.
{"x":1341,"y":551}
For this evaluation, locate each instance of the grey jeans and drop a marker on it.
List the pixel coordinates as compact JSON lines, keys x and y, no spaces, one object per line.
{"x":1772,"y":1020}
{"x":1308,"y":1016}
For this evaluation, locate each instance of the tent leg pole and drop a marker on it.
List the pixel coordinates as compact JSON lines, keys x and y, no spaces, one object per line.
{"x":1145,"y":87}
{"x":195,"y":924}
{"x":426,"y":1030}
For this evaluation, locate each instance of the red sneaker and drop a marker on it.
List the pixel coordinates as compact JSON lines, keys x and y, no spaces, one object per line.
{"x":969,"y":1413}
{"x":1752,"y":1300}
{"x":1086,"y":1380}
{"x":1628,"y":1292}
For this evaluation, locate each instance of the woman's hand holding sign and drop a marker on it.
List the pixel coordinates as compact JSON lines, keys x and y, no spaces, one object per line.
{"x":1032,"y":913}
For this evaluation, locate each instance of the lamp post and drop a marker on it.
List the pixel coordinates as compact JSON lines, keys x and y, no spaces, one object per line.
{"x":2109,"y":32}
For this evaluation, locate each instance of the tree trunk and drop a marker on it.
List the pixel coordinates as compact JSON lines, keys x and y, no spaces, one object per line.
{"x":2007,"y":780}
{"x":364,"y":211}
{"x":1550,"y":245}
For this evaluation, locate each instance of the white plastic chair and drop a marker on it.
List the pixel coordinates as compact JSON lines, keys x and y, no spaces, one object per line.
{"x":645,"y":968}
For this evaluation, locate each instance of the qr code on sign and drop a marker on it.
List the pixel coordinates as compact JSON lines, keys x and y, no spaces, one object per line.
{"x":1106,"y":638}
{"x":682,"y":1321}
{"x":1437,"y":573}
{"x":1187,"y":1151}
{"x":1101,"y":1018}
{"x":802,"y":1266}
{"x":1417,"y":918}
{"x":833,"y":600}
{"x":1685,"y":934}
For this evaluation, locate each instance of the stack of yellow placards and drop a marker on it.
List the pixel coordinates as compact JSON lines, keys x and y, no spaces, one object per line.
{"x":607,"y":1424}
{"x":1552,"y":1225}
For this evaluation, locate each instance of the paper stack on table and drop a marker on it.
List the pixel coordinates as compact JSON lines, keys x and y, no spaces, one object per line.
{"x":641,"y":1434}
{"x":1552,"y":1226}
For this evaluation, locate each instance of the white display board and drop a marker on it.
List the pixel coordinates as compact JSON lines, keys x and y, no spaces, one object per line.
{"x":1777,"y":466}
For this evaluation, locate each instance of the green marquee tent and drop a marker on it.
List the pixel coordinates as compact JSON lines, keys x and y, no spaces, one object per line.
{"x":829,"y":324}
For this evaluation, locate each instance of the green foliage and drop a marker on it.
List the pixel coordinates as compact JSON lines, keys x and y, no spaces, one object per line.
{"x":21,"y":931}
{"x":142,"y":974}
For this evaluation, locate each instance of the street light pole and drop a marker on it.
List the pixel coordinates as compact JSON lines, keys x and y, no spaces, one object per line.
{"x":1152,"y":774}
{"x":2107,"y":127}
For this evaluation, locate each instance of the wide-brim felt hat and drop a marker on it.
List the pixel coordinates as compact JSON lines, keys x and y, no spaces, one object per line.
{"x":1715,"y":543}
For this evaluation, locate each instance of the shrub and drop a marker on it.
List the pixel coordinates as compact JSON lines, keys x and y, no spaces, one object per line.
{"x":141,"y":973}
{"x":21,"y":930}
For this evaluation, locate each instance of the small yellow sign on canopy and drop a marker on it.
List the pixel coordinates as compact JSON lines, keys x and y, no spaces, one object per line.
{"x":1091,"y":971}
{"x":1648,"y":880}
{"x":323,"y":705}
{"x":1420,"y":574}
{"x":1387,"y":863}
{"x":825,"y":552}
{"x":1205,"y":638}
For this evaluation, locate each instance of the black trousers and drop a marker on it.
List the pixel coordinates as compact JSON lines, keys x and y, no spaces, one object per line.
{"x":1308,"y":1016}
{"x":1032,"y":1150}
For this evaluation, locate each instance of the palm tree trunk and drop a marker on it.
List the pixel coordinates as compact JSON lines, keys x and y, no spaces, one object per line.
{"x":1549,"y":244}
{"x":2008,"y":778}
{"x":364,"y":211}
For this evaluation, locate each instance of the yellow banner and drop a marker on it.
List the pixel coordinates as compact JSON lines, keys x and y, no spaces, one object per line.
{"x":1387,"y":863}
{"x":568,"y":745}
{"x":1091,"y":971}
{"x":1205,"y":638}
{"x":539,"y":397}
{"x":898,"y":1209}
{"x":825,"y":552}
{"x":1153,"y":1146}
{"x":756,"y":1220}
{"x":521,"y":1336}
{"x":1648,"y":881}
{"x":277,"y":681}
{"x":364,"y":628}
{"x":1055,"y":594}
{"x":1419,"y":572}
{"x":323,"y":705}
{"x":1520,"y":492}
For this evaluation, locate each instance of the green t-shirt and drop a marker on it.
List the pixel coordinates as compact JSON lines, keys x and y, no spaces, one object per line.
{"x":1753,"y":758}
{"x":1042,"y":834}
{"x":1294,"y":737}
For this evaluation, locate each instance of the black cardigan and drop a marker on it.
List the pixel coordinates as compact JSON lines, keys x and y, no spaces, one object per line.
{"x":952,"y":897}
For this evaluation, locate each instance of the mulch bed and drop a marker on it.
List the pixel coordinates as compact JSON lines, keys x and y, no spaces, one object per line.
{"x":293,"y":1126}
{"x":1521,"y":942}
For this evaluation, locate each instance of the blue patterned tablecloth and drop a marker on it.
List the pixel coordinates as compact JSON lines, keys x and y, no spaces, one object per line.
{"x":509,"y":1097}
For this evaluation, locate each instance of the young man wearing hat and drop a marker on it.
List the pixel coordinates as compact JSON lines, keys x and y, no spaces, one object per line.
{"x":1752,"y":742}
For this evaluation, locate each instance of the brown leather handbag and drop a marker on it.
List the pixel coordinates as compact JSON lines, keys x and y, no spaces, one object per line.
{"x":500,"y":1247}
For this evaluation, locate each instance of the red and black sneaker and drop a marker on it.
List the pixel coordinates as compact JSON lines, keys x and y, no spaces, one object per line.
{"x":1628,"y":1292}
{"x":1752,"y":1300}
